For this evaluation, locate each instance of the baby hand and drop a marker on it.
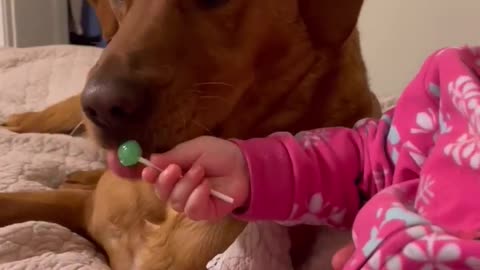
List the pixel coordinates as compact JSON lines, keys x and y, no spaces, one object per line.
{"x":211,"y":164}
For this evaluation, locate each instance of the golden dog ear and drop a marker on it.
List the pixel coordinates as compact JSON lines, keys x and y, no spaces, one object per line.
{"x":106,"y":17}
{"x":330,"y":22}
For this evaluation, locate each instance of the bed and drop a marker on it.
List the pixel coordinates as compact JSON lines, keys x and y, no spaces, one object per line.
{"x":34,"y":78}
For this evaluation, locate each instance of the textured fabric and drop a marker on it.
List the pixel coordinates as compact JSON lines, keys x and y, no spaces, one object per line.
{"x":407,"y":183}
{"x":30,"y":80}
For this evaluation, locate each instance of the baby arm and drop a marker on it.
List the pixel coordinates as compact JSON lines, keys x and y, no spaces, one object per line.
{"x":315,"y":177}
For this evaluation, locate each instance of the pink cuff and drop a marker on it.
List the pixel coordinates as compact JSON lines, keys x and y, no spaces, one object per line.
{"x":271,"y":186}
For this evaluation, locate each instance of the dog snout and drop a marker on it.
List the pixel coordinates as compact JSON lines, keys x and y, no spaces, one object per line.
{"x":114,"y":102}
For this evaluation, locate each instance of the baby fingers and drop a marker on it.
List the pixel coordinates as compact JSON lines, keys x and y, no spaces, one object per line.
{"x":200,"y":205}
{"x":166,"y":181}
{"x":184,"y":188}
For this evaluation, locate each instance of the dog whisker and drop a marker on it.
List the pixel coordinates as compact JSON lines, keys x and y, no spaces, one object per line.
{"x":201,"y":126}
{"x":201,"y":95}
{"x":213,"y":83}
{"x":184,"y":119}
{"x":76,"y":128}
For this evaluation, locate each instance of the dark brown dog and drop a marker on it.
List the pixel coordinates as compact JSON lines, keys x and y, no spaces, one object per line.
{"x":178,"y":69}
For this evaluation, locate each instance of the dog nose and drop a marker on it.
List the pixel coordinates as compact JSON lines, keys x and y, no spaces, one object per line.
{"x":114,"y":103}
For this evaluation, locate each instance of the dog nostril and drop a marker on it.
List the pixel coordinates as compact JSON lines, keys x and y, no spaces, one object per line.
{"x":111,"y":102}
{"x":90,"y":112}
{"x":118,"y":112}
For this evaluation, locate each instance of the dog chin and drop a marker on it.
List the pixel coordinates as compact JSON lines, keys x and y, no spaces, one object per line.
{"x":130,"y":173}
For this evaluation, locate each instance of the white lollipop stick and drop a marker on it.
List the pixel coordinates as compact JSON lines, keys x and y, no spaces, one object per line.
{"x":147,"y":163}
{"x":214,"y":193}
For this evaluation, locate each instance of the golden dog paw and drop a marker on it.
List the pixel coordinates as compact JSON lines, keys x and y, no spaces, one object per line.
{"x":30,"y":122}
{"x":62,"y":117}
{"x":86,"y":180}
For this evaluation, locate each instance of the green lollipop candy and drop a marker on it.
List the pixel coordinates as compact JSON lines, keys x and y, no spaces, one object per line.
{"x":130,"y":154}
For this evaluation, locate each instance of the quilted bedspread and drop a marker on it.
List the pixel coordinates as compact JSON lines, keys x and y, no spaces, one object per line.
{"x":32,"y":79}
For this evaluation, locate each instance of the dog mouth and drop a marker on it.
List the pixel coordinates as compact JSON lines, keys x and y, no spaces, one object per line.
{"x":111,"y":144}
{"x":110,"y":140}
{"x":114,"y":165}
{"x":126,"y":172}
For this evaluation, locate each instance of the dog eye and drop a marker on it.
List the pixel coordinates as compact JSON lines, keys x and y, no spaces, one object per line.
{"x":209,"y":4}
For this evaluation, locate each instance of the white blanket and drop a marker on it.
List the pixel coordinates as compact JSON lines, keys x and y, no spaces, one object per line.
{"x":32,"y":79}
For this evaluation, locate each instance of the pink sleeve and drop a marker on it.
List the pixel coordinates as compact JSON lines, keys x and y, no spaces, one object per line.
{"x":323,"y":176}
{"x":314,"y":177}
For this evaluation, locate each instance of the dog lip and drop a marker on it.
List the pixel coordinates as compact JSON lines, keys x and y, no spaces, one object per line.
{"x":131,"y":173}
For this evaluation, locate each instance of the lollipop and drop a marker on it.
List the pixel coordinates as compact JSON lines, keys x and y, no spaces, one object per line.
{"x":130,"y":154}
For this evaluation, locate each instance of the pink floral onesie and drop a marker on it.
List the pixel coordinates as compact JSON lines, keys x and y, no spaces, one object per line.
{"x":408,"y":184}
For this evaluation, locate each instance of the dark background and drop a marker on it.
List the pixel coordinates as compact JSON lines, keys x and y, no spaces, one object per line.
{"x":91,"y":29}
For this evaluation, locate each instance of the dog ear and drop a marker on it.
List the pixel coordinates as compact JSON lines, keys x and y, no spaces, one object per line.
{"x":106,"y":17}
{"x":330,"y":22}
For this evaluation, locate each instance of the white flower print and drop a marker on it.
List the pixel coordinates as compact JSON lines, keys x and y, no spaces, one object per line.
{"x":312,"y":137}
{"x":379,"y":212}
{"x":424,"y":193}
{"x":473,"y":105}
{"x":394,"y":263}
{"x":464,"y":92}
{"x":473,"y":263}
{"x":425,"y":254}
{"x":465,"y":96}
{"x":474,"y":123}
{"x":415,"y":153}
{"x":387,"y":119}
{"x":393,"y":139}
{"x":434,"y":90}
{"x":442,"y":122}
{"x":393,"y":136}
{"x":467,"y":147}
{"x":316,"y":203}
{"x":317,"y":214}
{"x":395,"y":155}
{"x":375,"y":261}
{"x":337,"y":215}
{"x":372,"y":243}
{"x":416,"y":232}
{"x":399,"y":213}
{"x":426,"y":122}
